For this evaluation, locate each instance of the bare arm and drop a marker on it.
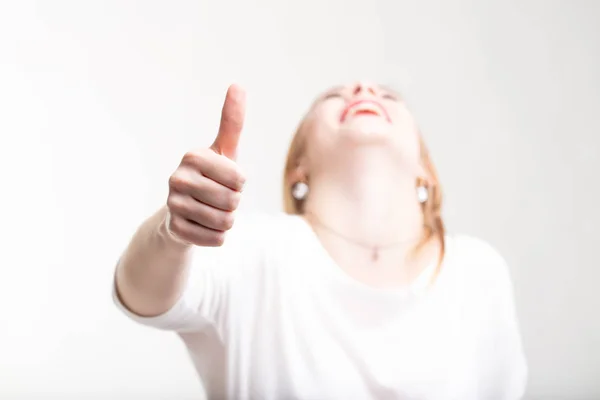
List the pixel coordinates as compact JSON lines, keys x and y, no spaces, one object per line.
{"x":152,"y":271}
{"x":204,"y":192}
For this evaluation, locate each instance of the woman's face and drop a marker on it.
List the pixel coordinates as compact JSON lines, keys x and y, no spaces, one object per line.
{"x":361,"y":114}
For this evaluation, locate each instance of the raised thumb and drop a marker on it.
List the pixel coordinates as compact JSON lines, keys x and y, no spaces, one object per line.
{"x":232,"y":122}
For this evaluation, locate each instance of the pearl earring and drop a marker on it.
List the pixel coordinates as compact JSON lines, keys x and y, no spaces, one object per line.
{"x":300,"y":190}
{"x":422,"y":194}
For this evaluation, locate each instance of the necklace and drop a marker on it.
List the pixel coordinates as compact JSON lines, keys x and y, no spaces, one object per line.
{"x":374,"y":249}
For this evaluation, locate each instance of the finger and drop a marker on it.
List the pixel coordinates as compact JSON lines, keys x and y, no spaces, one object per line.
{"x":196,"y":234}
{"x":200,"y":213}
{"x":205,"y":190}
{"x":232,"y":122}
{"x":216,"y":167}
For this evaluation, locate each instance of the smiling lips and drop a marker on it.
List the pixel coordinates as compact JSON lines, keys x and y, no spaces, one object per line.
{"x":364,"y":107}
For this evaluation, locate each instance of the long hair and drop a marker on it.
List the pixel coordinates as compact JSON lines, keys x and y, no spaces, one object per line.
{"x":432,"y":218}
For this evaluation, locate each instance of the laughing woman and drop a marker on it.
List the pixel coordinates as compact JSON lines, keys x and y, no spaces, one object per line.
{"x":355,"y":292}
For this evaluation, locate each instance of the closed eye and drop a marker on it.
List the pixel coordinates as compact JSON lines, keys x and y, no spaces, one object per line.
{"x":332,"y":95}
{"x":389,"y":96}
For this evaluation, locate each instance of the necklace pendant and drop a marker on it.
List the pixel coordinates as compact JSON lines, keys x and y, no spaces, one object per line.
{"x":375,"y":254}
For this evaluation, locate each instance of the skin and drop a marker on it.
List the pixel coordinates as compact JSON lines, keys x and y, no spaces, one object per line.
{"x":362,"y":175}
{"x":204,"y":192}
{"x":362,"y":184}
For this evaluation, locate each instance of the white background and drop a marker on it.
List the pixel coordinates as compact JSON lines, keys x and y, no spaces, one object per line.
{"x":99,"y":100}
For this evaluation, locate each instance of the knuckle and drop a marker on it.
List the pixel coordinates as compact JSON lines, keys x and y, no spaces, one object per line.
{"x":233,"y":119}
{"x":222,"y":221}
{"x":192,"y":157}
{"x":232,"y":200}
{"x":217,"y":239}
{"x":175,"y":203}
{"x":214,"y":239}
{"x":227,"y":221}
{"x":239,"y":176}
{"x":240,"y":180}
{"x":179,"y":181}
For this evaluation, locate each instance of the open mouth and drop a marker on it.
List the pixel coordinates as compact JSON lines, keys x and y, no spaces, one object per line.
{"x":366,"y":108}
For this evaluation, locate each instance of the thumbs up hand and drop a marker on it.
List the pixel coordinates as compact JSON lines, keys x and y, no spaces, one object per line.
{"x":205,"y":189}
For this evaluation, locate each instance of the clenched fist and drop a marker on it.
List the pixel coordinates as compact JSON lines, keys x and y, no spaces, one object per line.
{"x":205,"y":189}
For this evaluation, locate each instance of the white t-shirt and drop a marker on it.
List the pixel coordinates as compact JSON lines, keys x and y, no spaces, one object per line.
{"x":269,"y":315}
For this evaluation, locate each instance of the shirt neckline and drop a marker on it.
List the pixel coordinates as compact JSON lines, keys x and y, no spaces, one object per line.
{"x":418,"y":287}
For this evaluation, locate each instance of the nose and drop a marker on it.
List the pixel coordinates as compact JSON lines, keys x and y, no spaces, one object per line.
{"x":362,"y":88}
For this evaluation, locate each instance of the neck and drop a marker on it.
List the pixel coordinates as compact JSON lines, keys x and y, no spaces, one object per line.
{"x":368,"y":198}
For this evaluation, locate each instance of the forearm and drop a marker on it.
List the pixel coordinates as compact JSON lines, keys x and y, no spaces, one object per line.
{"x":152,"y":272}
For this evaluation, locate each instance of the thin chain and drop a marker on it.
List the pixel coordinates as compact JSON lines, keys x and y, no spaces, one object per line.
{"x":374,"y":248}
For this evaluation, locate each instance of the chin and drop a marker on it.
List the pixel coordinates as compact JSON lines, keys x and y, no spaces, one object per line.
{"x":367,"y":132}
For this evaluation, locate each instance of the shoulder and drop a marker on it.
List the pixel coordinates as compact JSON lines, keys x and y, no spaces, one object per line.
{"x":487,"y":281}
{"x":481,"y":263}
{"x":474,"y":249}
{"x":490,"y":293}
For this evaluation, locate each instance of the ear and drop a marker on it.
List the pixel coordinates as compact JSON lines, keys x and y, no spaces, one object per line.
{"x":300,"y":172}
{"x":423,"y":176}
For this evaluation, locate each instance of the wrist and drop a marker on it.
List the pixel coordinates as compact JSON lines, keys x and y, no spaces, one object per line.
{"x":169,"y":239}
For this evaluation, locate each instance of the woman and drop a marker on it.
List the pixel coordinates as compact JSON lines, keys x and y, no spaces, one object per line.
{"x":355,"y":292}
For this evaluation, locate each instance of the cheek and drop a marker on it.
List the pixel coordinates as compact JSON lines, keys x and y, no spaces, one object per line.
{"x":410,"y":146}
{"x":403,"y":120}
{"x":316,"y":139}
{"x":326,"y":116}
{"x":407,"y":134}
{"x":322,"y":126}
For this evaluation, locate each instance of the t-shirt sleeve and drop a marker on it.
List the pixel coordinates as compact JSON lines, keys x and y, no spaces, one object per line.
{"x":504,"y":369}
{"x":207,"y":293}
{"x":510,"y":372}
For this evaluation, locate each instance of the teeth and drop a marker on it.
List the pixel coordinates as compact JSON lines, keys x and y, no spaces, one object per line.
{"x":365,"y":107}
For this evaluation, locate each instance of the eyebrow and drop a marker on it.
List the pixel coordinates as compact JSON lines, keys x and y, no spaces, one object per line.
{"x":391,"y":89}
{"x":387,"y":88}
{"x":332,"y":90}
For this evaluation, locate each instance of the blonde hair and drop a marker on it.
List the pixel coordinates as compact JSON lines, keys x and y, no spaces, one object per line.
{"x":433,"y":223}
